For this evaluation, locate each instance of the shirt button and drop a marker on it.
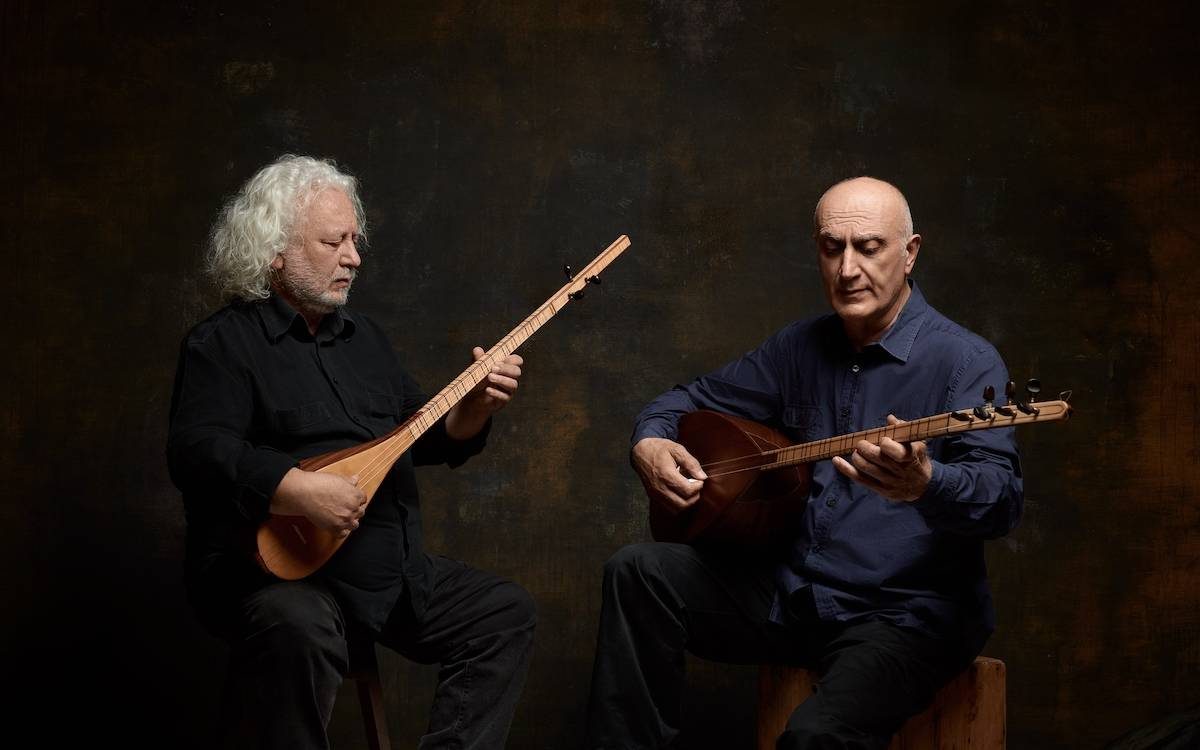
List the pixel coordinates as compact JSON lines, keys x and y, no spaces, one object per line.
{"x":855,"y":368}
{"x":831,"y":502}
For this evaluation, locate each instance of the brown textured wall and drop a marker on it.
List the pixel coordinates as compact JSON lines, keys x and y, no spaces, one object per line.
{"x":1049,"y":154}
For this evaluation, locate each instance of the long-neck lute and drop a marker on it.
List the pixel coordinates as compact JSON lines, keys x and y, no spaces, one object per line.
{"x":292,"y":547}
{"x":758,"y":481}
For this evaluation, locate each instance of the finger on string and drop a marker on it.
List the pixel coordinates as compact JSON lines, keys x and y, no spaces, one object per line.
{"x":881,"y":469}
{"x":502,"y":381}
{"x":868,"y":468}
{"x":855,"y":475}
{"x":898,"y":453}
{"x":682,"y":486}
{"x":845,"y":468}
{"x":688,"y":465}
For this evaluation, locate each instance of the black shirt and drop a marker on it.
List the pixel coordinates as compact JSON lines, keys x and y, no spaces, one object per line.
{"x":254,"y":394}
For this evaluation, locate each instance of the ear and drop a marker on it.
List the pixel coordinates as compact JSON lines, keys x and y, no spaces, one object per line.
{"x":277,"y":262}
{"x":910,"y":253}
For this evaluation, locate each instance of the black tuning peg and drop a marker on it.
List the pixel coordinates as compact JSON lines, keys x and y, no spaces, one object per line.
{"x":568,"y":272}
{"x":984,"y":411}
{"x":576,"y":295}
{"x":593,"y":279}
{"x":1009,"y":389}
{"x":1033,"y":387}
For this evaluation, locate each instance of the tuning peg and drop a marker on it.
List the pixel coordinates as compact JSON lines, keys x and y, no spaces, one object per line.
{"x":989,"y":395}
{"x":593,"y":279}
{"x":1033,"y":387}
{"x":568,"y":272}
{"x":576,"y":295}
{"x":1009,"y":389}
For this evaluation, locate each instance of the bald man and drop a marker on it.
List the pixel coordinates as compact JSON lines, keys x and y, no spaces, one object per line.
{"x":883,"y":590}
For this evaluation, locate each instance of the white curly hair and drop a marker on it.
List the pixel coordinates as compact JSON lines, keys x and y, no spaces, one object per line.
{"x":259,"y":222}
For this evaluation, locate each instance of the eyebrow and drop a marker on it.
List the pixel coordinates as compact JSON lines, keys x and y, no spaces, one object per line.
{"x":857,"y":239}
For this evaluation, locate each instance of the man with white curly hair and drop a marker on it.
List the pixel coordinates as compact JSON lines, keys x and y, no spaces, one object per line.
{"x":285,"y":372}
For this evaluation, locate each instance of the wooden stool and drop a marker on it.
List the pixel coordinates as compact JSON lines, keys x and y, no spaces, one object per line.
{"x":364,"y":670}
{"x":969,"y":712}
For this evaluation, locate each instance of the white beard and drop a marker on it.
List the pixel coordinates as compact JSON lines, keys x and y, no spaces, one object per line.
{"x":301,"y":283}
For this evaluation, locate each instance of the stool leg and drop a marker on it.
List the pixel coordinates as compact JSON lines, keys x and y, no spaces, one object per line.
{"x":370,"y":696}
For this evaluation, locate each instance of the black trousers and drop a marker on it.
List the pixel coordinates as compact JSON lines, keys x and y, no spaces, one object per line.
{"x":289,"y":655}
{"x":661,"y":600}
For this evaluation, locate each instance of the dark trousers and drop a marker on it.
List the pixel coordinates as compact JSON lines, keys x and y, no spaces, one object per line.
{"x":289,"y":654}
{"x":661,"y":600}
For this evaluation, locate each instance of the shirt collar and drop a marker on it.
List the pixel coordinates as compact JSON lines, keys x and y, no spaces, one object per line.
{"x":898,"y":341}
{"x":278,"y":318}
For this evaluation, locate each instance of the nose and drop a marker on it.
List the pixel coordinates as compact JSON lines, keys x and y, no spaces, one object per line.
{"x":350,"y":257}
{"x":848,"y":268}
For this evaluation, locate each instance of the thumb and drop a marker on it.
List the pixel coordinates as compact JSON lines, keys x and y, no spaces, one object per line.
{"x":689,"y":463}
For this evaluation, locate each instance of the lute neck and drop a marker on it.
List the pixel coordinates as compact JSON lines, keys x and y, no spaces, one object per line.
{"x":437,"y":407}
{"x":936,"y":426}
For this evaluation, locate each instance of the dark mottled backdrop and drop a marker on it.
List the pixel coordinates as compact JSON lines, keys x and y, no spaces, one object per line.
{"x":1049,"y":152}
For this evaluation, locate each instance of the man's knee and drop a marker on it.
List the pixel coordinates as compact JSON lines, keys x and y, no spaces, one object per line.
{"x":294,"y":617}
{"x":517,"y":608}
{"x":633,"y":562}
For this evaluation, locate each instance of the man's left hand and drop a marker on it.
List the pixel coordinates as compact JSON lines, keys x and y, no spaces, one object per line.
{"x":468,"y":417}
{"x":897,"y":471}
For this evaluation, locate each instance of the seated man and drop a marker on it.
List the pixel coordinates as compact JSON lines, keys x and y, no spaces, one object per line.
{"x":285,"y":372}
{"x":883,"y":589}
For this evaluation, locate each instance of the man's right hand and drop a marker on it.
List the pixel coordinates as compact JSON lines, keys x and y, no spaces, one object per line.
{"x":331,"y":502}
{"x":670,"y":474}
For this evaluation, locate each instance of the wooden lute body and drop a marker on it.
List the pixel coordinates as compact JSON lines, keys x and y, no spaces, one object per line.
{"x":748,"y":506}
{"x":758,"y":481}
{"x":292,"y":547}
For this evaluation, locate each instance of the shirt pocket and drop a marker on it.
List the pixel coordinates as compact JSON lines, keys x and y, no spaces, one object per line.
{"x":800,"y":421}
{"x":302,"y":417}
{"x":383,"y":405}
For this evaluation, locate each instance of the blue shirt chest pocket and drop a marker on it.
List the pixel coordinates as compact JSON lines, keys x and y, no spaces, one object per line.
{"x":801,"y":421}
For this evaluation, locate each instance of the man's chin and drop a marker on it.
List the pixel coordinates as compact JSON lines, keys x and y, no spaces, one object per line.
{"x":854,"y":312}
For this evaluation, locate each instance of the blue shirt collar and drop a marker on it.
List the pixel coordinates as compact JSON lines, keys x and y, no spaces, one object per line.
{"x":898,"y":341}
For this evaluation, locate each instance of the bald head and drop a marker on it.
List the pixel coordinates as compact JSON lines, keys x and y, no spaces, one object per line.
{"x":866,"y":249}
{"x":864,"y":192}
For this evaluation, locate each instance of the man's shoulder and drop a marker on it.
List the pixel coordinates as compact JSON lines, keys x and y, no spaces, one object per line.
{"x":818,"y":330}
{"x":235,"y":318}
{"x":942,"y":331}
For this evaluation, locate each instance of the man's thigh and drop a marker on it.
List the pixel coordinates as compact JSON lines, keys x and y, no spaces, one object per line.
{"x":873,"y":676}
{"x":464,"y":604}
{"x":723,"y":599}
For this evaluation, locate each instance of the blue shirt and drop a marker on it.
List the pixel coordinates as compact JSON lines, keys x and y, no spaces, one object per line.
{"x":918,"y":564}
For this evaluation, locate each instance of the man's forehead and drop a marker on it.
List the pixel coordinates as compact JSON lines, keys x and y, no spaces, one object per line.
{"x":861,"y":208}
{"x":330,"y":207}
